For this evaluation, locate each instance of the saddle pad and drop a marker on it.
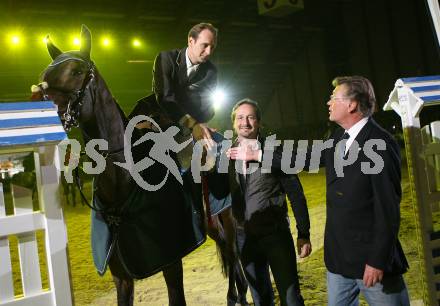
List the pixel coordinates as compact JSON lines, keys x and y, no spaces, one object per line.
{"x":160,"y":227}
{"x":101,"y":241}
{"x":219,"y":205}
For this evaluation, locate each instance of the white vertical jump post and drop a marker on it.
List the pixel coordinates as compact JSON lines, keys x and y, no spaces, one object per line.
{"x":34,"y":128}
{"x":434,"y":9}
{"x":422,"y":146}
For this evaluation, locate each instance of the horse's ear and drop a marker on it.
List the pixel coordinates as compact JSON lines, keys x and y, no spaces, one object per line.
{"x":86,"y":41}
{"x":53,"y":50}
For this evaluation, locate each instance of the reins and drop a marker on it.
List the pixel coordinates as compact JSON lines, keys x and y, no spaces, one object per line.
{"x":111,"y":216}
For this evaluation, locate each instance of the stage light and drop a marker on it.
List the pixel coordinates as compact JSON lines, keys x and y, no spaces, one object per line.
{"x":136,"y":43}
{"x":45,"y":40}
{"x":15,"y":40}
{"x":76,"y":41}
{"x":106,"y":42}
{"x":218,"y":97}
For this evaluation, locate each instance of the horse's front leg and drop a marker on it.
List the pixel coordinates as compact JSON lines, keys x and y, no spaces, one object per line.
{"x":240,"y":282}
{"x":173,"y":275}
{"x":123,"y":282}
{"x":124,"y":290}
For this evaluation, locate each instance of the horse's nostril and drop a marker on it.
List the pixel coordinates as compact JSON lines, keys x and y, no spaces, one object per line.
{"x":36,"y":96}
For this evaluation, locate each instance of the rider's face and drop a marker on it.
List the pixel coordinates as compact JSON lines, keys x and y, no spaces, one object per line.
{"x":200,"y":49}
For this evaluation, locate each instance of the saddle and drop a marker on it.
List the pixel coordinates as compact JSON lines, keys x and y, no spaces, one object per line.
{"x":148,"y":106}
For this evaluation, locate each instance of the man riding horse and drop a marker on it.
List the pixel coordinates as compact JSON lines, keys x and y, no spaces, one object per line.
{"x":183,"y":83}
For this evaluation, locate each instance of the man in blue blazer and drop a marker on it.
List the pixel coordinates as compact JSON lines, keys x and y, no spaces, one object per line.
{"x":361,"y":248}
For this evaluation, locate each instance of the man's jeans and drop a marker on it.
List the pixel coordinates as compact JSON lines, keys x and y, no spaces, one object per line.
{"x":343,"y":291}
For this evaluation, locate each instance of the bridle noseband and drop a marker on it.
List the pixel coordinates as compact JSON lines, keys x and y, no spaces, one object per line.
{"x":75,"y":97}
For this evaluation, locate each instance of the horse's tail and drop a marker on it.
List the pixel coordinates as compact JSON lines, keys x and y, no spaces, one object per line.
{"x":225,"y":243}
{"x":223,"y":257}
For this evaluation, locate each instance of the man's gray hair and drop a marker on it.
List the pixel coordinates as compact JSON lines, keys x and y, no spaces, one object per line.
{"x":359,"y":89}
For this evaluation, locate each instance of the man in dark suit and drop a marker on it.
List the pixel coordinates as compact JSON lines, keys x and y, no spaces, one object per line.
{"x":184,"y":79}
{"x":361,"y":247}
{"x":259,"y":206}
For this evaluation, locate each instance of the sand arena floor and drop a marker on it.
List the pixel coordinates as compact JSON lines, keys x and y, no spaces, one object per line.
{"x":203,"y":281}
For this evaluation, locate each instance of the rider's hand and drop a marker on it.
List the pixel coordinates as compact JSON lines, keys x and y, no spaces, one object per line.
{"x":304,"y":247}
{"x":202,"y":131}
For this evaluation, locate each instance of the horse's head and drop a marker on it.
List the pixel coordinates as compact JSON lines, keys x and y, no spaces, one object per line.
{"x":66,"y":80}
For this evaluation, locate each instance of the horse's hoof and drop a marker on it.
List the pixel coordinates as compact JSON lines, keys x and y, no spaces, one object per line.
{"x":230,"y":302}
{"x":233,"y":302}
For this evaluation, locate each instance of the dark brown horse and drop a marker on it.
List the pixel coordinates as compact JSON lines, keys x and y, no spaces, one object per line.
{"x":143,"y":232}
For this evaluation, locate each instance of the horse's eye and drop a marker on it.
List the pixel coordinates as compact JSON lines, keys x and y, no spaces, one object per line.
{"x":76,"y":72}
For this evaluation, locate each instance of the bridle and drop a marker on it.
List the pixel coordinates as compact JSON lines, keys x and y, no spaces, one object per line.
{"x":71,"y":120}
{"x":75,"y":97}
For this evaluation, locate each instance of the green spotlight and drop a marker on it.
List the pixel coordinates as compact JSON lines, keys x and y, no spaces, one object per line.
{"x":136,"y":43}
{"x":15,"y":39}
{"x":76,"y":41}
{"x":106,"y":42}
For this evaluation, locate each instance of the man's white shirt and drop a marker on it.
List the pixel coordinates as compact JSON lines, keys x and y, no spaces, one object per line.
{"x":190,"y":68}
{"x":354,"y":131}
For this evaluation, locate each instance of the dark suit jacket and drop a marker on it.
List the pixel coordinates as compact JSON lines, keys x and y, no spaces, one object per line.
{"x":177,"y":94}
{"x":259,"y":201}
{"x":363,"y":210}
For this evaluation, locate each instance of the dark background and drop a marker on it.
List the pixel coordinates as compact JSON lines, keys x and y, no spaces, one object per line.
{"x":285,"y":63}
